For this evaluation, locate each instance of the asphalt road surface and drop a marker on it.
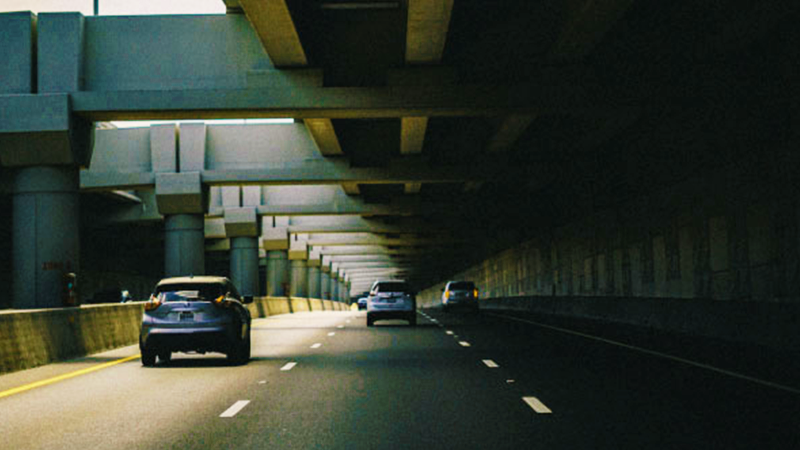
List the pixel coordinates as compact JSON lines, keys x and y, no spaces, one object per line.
{"x":324,"y":380}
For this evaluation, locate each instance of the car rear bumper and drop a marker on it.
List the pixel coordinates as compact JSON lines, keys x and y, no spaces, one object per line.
{"x":392,"y":314}
{"x":206,"y":339}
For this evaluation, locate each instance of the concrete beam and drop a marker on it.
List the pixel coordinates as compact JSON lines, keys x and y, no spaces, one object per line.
{"x":356,"y":102}
{"x":508,"y":132}
{"x":426,"y":30}
{"x":324,"y":136}
{"x":586,"y":24}
{"x":273,"y":23}
{"x":412,"y":134}
{"x":335,"y":239}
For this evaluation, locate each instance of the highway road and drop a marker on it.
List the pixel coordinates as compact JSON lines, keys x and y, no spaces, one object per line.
{"x":324,"y":380}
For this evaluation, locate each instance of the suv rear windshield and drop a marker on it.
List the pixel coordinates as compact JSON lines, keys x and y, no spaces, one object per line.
{"x":392,"y":287}
{"x":189,"y":292}
{"x":462,"y":286}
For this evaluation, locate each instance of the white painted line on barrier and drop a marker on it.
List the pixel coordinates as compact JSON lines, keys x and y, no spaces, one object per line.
{"x":490,"y":363}
{"x":463,"y":343}
{"x":317,"y":345}
{"x":659,"y":354}
{"x":233,"y":410}
{"x":332,"y":333}
{"x":537,"y":405}
{"x":288,"y":366}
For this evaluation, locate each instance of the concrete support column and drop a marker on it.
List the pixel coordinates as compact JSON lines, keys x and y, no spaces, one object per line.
{"x":241,"y":226}
{"x":314,"y":276}
{"x":334,"y":288}
{"x":325,"y":286}
{"x":299,"y":283}
{"x":184,"y":245}
{"x":277,"y":273}
{"x":45,"y":234}
{"x":244,"y":264}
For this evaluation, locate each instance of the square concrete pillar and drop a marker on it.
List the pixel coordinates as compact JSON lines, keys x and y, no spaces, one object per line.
{"x":298,"y":250}
{"x":180,"y":193}
{"x":275,"y":239}
{"x":241,"y":222}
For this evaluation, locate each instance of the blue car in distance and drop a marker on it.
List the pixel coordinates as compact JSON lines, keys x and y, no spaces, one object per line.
{"x":195,"y":314}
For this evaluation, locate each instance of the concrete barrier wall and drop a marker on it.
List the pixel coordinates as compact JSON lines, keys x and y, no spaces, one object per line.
{"x":772,"y":324}
{"x":36,"y":337}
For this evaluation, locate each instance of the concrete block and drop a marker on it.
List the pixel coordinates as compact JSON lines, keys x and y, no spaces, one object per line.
{"x":275,"y":238}
{"x":163,"y":148}
{"x":215,"y":228}
{"x":251,"y":195}
{"x":217,"y":245}
{"x":241,"y":222}
{"x":40,"y":130}
{"x":180,"y":193}
{"x":314,"y":258}
{"x":17,"y":51}
{"x":193,"y":147}
{"x":231,"y":196}
{"x":298,"y":250}
{"x":60,"y":38}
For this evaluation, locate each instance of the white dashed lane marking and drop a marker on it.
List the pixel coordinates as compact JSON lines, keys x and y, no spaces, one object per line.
{"x":233,"y":410}
{"x":537,"y":405}
{"x":331,"y":334}
{"x":340,"y":326}
{"x":463,"y":343}
{"x":288,"y":366}
{"x":262,"y":382}
{"x":449,"y":332}
{"x":490,"y":363}
{"x":317,"y":345}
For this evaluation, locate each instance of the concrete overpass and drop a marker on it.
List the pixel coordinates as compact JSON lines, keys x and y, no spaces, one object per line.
{"x":618,"y":178}
{"x":574,"y":150}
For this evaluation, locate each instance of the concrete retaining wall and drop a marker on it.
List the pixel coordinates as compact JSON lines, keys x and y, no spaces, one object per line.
{"x":771,"y":324}
{"x":36,"y":337}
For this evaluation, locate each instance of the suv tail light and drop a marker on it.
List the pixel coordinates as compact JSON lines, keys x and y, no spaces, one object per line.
{"x":475,"y":293}
{"x":154,"y":303}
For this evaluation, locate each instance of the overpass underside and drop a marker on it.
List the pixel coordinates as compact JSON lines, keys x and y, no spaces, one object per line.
{"x":557,"y":149}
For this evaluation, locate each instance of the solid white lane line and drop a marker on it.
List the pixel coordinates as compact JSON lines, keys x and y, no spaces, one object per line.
{"x":537,"y":406}
{"x":490,"y":363}
{"x":317,"y":345}
{"x":659,"y":354}
{"x":463,"y":343}
{"x":331,"y":334}
{"x":449,"y":332}
{"x":233,"y":410}
{"x":288,"y":366}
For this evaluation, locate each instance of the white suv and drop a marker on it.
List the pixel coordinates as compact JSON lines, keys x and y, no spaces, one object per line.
{"x":391,"y":299}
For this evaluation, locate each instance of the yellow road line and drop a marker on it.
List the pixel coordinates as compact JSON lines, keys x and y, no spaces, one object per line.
{"x":66,"y":376}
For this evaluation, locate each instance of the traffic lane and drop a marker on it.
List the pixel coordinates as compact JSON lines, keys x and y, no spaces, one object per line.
{"x":129,"y":406}
{"x":623,"y":398}
{"x":390,"y":386}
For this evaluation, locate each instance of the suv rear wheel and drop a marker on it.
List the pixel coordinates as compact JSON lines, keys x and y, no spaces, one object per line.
{"x":241,"y":353}
{"x":148,"y":357}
